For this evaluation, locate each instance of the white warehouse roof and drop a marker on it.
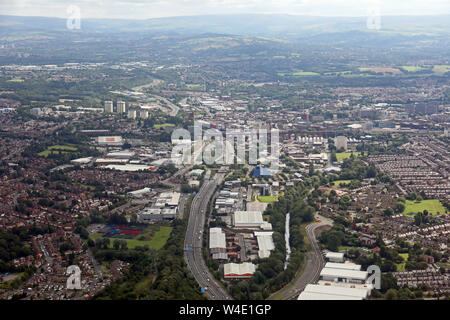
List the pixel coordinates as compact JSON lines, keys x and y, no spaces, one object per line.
{"x":216,"y":238}
{"x":265,"y":243}
{"x":347,"y":266}
{"x":248,"y":218}
{"x":239,"y":269}
{"x":321,"y":296}
{"x":336,"y":290}
{"x":335,"y":255}
{"x":343,"y":273}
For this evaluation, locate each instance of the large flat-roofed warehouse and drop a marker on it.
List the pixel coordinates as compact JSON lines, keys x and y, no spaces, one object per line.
{"x":168,"y":199}
{"x":343,"y":275}
{"x":335,"y":256}
{"x":238,"y":270}
{"x":250,"y":220}
{"x":346,"y":266}
{"x":318,"y":292}
{"x":149,"y":215}
{"x":265,"y":243}
{"x":109,"y":140}
{"x":217,"y":242}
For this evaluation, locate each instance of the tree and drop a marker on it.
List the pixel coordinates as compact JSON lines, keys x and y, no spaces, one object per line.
{"x":116,"y":244}
{"x":388,"y":212}
{"x":399,"y":207}
{"x":391,"y":294}
{"x":333,"y":243}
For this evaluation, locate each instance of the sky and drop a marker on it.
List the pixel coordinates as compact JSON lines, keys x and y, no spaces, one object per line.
{"x":145,"y":9}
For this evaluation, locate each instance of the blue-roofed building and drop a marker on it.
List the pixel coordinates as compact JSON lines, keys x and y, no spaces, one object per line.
{"x":261,"y":172}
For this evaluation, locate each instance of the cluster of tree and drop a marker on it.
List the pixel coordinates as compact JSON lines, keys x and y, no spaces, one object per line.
{"x":12,"y":246}
{"x":171,"y":278}
{"x":335,"y":237}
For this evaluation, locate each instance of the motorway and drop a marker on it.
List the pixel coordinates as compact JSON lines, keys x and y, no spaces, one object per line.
{"x":194,"y":240}
{"x":314,"y":264}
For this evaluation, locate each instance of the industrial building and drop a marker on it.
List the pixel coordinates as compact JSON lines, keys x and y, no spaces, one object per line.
{"x":250,"y":220}
{"x":345,"y":266}
{"x":165,"y":208}
{"x":217,"y":244}
{"x":335,"y":256}
{"x":343,"y":275}
{"x":265,"y":243}
{"x":139,"y":193}
{"x":121,"y":154}
{"x":319,"y":292}
{"x":238,"y":270}
{"x":109,"y":141}
{"x":150,"y":215}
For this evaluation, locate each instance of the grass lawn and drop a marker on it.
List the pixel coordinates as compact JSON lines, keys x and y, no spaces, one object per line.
{"x":194,"y":86}
{"x":343,"y":248}
{"x":298,"y":73}
{"x":157,"y":242}
{"x":339,"y":182}
{"x":441,"y":68}
{"x":341,"y":156}
{"x":59,"y":148}
{"x":412,"y":68}
{"x":433,"y":206}
{"x":401,"y":266}
{"x":267,"y":198}
{"x":15,"y":80}
{"x":163,"y":125}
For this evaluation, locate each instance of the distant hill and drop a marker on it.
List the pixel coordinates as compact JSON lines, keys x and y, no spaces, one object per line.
{"x":277,"y":26}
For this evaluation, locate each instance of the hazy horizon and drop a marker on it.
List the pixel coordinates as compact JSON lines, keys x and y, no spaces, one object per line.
{"x":141,"y":9}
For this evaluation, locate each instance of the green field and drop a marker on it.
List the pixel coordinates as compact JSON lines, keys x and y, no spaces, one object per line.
{"x":157,"y":241}
{"x":298,"y":73}
{"x":341,"y":156}
{"x":267,"y":198}
{"x":15,"y":80}
{"x":163,"y":125}
{"x":401,"y":266}
{"x":441,"y":68}
{"x":339,"y":182}
{"x":59,"y":148}
{"x":194,"y":86}
{"x":344,"y":248}
{"x":412,"y":68}
{"x":433,"y":206}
